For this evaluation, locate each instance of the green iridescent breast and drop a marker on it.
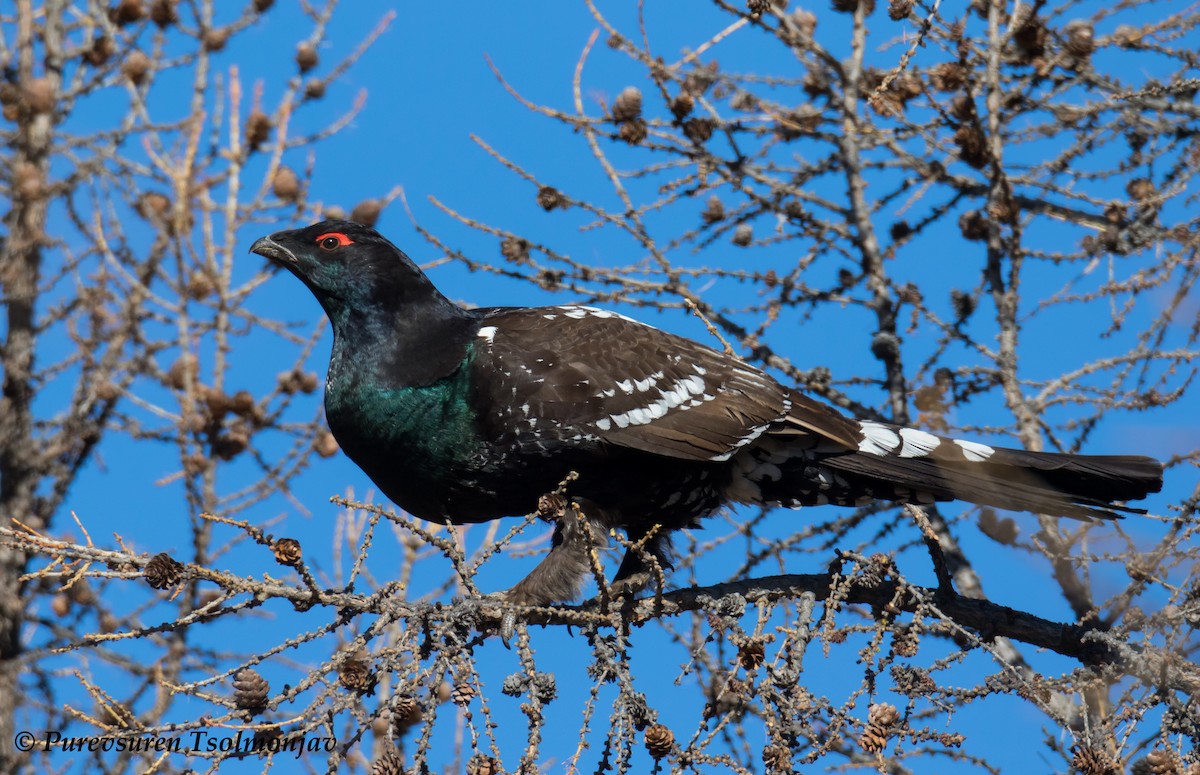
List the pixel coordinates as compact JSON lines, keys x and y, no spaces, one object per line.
{"x":429,"y":429}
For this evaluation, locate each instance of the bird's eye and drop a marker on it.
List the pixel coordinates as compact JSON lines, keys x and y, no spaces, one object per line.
{"x":333,"y":240}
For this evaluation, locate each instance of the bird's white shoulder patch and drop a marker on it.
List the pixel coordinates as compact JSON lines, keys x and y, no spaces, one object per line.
{"x":487,"y":333}
{"x":974,"y":451}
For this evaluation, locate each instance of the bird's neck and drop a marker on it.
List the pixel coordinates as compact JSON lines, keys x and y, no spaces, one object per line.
{"x":398,"y":396}
{"x":414,"y":346}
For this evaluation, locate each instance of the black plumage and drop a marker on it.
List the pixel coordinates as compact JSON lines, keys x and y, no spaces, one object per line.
{"x":471,"y":415}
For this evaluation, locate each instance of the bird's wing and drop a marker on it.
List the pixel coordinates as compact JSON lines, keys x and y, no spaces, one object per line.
{"x":574,"y":373}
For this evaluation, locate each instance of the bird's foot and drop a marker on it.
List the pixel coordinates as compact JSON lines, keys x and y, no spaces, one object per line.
{"x":508,"y":616}
{"x":627,"y":587}
{"x":518,"y":596}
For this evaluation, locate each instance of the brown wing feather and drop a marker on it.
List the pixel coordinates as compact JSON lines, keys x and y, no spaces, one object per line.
{"x":627,"y":383}
{"x":811,"y":417}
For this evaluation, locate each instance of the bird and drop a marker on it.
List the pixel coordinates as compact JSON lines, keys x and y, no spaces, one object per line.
{"x":471,"y":415}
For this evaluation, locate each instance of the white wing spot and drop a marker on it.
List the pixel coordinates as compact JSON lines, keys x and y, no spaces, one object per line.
{"x":917,"y":443}
{"x":877,"y":439}
{"x":626,"y":386}
{"x":640,"y":416}
{"x":604,"y":423}
{"x":974,"y":451}
{"x":650,"y":381}
{"x":487,"y":332}
{"x":580,"y":312}
{"x":754,"y":434}
{"x":676,"y":396}
{"x":657,"y":409}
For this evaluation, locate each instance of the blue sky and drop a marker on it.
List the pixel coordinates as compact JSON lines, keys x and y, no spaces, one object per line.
{"x":429,"y":89}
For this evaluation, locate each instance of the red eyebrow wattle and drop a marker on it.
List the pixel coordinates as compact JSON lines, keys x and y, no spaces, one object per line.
{"x":337,"y":235}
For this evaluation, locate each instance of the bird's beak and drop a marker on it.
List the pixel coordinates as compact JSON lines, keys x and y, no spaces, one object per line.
{"x":269,"y":248}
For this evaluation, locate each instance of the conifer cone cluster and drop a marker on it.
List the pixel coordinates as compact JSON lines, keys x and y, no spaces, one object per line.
{"x":250,"y":691}
{"x":287,"y":551}
{"x":881,"y":725}
{"x":659,"y":740}
{"x":163,"y":572}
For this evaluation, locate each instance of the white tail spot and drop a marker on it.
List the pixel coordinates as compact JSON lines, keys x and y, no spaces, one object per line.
{"x":877,"y":439}
{"x":974,"y":451}
{"x":917,"y":443}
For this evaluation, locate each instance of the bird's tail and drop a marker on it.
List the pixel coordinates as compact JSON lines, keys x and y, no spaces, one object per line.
{"x":909,"y":465}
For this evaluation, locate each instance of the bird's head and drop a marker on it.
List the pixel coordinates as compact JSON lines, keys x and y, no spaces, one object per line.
{"x":349,"y":266}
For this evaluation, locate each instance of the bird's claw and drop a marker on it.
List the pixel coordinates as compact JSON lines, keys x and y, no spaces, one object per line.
{"x":628,"y":587}
{"x":508,"y":626}
{"x":508,"y":618}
